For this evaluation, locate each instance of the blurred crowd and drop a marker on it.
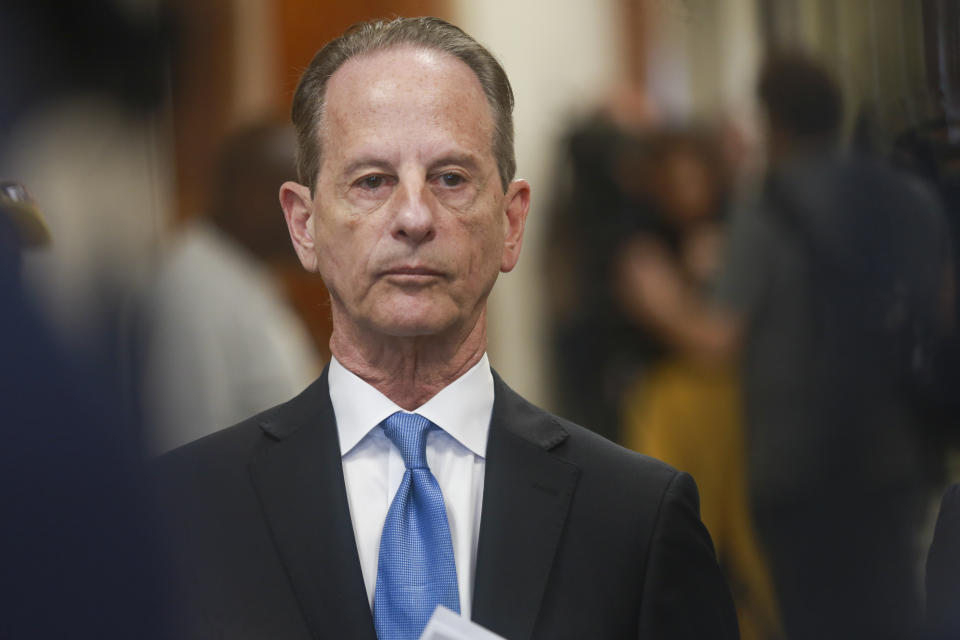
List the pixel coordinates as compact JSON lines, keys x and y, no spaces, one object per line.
{"x":786,"y":336}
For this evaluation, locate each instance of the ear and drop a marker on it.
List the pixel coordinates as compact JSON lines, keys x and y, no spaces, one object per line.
{"x":517,"y":204}
{"x":298,"y":212}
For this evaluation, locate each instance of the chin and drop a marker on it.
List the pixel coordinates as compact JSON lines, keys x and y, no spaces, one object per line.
{"x":406,"y":321}
{"x":407,"y":327}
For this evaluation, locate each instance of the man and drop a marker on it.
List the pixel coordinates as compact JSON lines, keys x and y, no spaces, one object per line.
{"x":319,"y":518}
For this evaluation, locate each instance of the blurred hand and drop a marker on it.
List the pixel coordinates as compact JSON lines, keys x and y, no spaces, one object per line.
{"x":701,"y":253}
{"x":650,"y":284}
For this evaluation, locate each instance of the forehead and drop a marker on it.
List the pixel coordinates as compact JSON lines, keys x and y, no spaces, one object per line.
{"x":405,"y":93}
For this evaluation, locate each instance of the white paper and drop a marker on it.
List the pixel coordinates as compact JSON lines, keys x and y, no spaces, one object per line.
{"x":446,"y":625}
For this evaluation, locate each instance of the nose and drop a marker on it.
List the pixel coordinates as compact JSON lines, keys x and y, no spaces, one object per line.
{"x":414,"y":220}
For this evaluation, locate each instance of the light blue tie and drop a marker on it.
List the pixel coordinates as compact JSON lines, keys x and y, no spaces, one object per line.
{"x":416,"y":570}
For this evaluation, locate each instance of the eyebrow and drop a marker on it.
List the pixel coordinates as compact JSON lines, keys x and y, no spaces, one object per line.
{"x":467,"y":160}
{"x":363,"y":163}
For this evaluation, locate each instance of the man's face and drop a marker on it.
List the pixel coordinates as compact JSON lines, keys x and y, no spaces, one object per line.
{"x":408,"y":223}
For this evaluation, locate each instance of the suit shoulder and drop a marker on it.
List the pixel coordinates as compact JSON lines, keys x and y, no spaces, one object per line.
{"x":585,"y":442}
{"x":596,"y":456}
{"x":244,"y":439}
{"x":239,"y":439}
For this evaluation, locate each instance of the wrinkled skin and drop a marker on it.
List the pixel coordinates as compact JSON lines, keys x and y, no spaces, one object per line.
{"x":408,"y":225}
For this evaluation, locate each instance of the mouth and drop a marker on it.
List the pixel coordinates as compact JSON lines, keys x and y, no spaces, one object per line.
{"x":411,"y":274}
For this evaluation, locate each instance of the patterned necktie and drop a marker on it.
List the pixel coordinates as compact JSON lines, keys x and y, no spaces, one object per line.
{"x":416,"y":570}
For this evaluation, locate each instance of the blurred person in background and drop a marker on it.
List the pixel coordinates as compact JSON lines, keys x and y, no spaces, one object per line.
{"x":597,"y":349}
{"x":832,"y":285}
{"x":206,"y":365}
{"x":684,"y":409}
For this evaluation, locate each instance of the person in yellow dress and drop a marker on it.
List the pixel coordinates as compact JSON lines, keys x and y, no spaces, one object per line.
{"x":684,"y":409}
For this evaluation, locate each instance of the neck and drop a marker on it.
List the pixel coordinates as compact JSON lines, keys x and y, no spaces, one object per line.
{"x":410,"y":369}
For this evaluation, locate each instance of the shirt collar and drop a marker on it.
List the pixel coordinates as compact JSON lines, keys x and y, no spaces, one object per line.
{"x":462,"y":408}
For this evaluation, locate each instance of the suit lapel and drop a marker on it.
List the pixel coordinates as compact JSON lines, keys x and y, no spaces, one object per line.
{"x":299,"y":480}
{"x":526,"y":498}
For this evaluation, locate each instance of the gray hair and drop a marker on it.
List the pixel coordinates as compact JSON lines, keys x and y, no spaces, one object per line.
{"x":367,"y":37}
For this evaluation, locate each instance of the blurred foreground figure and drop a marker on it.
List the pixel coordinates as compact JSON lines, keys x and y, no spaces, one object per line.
{"x":834,"y":288}
{"x":221,"y":342}
{"x":77,"y":550}
{"x":409,"y":475}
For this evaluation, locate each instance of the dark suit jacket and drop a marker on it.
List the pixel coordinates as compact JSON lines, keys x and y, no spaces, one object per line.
{"x":943,"y":570}
{"x":579,"y":538}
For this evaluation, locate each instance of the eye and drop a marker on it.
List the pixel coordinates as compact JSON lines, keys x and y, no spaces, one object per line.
{"x":451,"y":179}
{"x":372,"y":182}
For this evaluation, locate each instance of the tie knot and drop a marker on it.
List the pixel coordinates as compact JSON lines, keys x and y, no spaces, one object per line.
{"x":408,"y":431}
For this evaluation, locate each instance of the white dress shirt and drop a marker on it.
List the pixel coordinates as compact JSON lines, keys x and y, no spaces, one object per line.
{"x":373,"y":467}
